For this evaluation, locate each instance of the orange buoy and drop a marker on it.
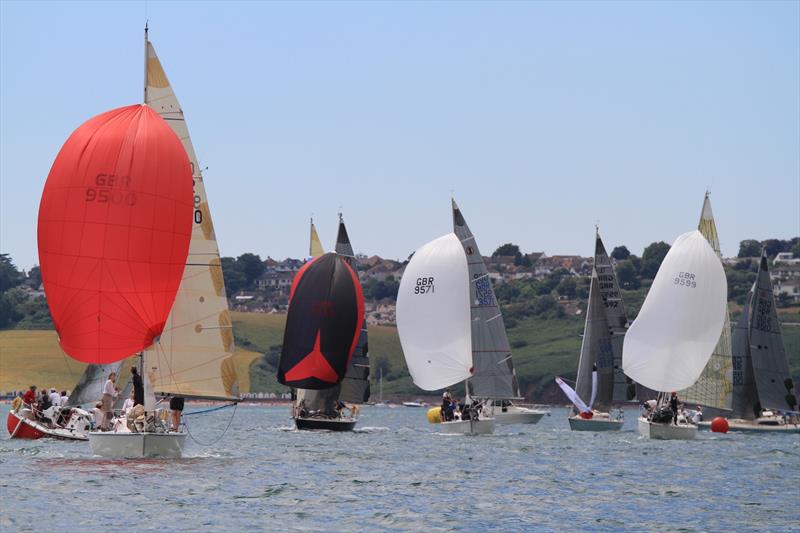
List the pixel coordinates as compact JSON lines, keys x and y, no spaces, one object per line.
{"x":719,"y":425}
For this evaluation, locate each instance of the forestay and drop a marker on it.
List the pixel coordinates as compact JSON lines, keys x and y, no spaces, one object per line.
{"x":195,"y":354}
{"x":768,"y":355}
{"x":714,"y":388}
{"x":433,"y":314}
{"x":670,"y":342}
{"x":494,"y":375}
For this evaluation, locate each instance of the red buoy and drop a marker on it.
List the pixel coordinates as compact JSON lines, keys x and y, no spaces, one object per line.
{"x":719,"y":425}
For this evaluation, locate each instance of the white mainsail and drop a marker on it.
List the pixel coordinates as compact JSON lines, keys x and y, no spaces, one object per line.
{"x":670,"y":342}
{"x":714,"y":388}
{"x":194,"y":356}
{"x":433,"y":314}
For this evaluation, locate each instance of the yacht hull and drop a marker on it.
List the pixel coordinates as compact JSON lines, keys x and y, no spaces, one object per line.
{"x":137,"y":445}
{"x":577,"y":423}
{"x":342,"y":424}
{"x":468,"y":427}
{"x":654,"y":430}
{"x":751,"y":426}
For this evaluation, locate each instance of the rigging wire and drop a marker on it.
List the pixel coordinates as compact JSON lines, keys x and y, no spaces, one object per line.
{"x":189,"y":432}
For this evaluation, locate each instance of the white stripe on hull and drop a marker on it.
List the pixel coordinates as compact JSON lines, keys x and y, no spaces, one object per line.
{"x":137,"y":445}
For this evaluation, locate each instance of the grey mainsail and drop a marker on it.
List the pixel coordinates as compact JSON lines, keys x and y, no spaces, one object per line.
{"x":714,"y":387}
{"x":89,"y":388}
{"x":745,"y":396}
{"x":494,"y":376}
{"x":355,"y":385}
{"x":770,"y":365}
{"x":617,"y":322}
{"x":596,"y":353}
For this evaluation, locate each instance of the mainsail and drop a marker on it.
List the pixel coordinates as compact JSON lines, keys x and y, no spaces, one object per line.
{"x":194,"y":356}
{"x":714,"y":388}
{"x":745,"y":396}
{"x":355,"y":386}
{"x":768,"y":354}
{"x":596,"y":353}
{"x":617,"y":322}
{"x":494,"y":375}
{"x":670,"y":342}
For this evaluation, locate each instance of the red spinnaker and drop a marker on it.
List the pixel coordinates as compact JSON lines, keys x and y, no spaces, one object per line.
{"x":115,"y":223}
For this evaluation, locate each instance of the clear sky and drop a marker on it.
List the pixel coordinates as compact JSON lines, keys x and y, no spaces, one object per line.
{"x":543,"y":118}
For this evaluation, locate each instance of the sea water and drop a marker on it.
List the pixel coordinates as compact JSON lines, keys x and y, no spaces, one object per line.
{"x":396,"y":473}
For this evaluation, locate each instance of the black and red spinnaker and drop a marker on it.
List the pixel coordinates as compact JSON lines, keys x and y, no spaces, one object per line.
{"x":326,"y":309}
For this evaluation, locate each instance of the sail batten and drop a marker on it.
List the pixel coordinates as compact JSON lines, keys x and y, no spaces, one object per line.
{"x":194,"y":356}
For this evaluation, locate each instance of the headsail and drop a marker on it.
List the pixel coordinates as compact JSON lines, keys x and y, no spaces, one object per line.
{"x":596,"y":353}
{"x":314,"y":245}
{"x":195,"y":354}
{"x":770,"y":365}
{"x":745,"y":396}
{"x":355,"y":386}
{"x":617,"y":322}
{"x":494,"y":375}
{"x":90,"y":385}
{"x":714,"y":388}
{"x":433,"y":318}
{"x":670,"y":342}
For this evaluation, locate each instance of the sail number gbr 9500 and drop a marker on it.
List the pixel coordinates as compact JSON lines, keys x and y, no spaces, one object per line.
{"x":424,"y":286}
{"x":111,"y":189}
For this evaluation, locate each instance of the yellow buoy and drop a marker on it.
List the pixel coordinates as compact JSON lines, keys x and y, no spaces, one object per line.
{"x":435,"y":415}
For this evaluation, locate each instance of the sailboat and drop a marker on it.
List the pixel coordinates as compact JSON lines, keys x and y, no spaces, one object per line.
{"x":192,"y":357}
{"x":323,"y":328}
{"x":318,"y":409}
{"x":494,"y":381}
{"x":714,"y":389}
{"x":762,"y":383}
{"x":679,"y":324}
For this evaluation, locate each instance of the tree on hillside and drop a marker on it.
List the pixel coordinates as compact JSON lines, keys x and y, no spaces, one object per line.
{"x":796,"y":250}
{"x":626,"y":275}
{"x":9,"y":275}
{"x":251,"y":266}
{"x":567,"y":287}
{"x":773,"y":246}
{"x":620,"y":253}
{"x":507,"y":250}
{"x":749,"y":248}
{"x":652,"y":257}
{"x":234,"y":280}
{"x":34,"y":277}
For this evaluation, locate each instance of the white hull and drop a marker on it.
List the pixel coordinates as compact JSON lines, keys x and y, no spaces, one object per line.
{"x":577,"y":423}
{"x":654,"y":430}
{"x":137,"y":445}
{"x":530,"y":417}
{"x":752,"y":426}
{"x":469,"y":427}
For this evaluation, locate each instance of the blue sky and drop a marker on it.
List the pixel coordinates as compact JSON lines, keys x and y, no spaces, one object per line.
{"x":543,"y":118}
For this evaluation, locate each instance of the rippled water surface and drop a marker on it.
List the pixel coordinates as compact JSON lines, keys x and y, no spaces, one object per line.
{"x":395,"y":473}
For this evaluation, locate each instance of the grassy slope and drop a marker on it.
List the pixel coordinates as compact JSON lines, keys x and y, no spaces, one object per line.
{"x":29,"y":357}
{"x":552,"y":346}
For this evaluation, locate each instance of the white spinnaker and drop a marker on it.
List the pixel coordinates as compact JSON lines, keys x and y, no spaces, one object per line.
{"x":573,"y":396}
{"x":670,"y":342}
{"x":194,"y":356}
{"x":433,"y":314}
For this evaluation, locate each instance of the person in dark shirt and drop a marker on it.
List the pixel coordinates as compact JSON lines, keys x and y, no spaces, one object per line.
{"x":673,"y":404}
{"x":138,"y":387}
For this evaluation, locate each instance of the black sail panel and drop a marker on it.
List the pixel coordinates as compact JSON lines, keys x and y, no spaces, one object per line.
{"x":767,"y":352}
{"x":745,"y":397}
{"x":326,"y":310}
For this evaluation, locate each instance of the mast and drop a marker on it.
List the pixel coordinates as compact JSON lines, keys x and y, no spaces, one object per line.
{"x":145,"y":62}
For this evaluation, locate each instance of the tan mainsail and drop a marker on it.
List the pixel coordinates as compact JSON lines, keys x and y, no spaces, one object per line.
{"x":194,"y":356}
{"x":315,"y":246}
{"x":714,"y":388}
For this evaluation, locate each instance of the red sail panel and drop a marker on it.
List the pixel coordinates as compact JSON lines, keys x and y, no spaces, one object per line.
{"x":115,"y":222}
{"x":323,"y":324}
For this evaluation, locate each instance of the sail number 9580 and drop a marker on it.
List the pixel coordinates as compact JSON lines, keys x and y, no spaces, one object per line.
{"x":424,"y":286}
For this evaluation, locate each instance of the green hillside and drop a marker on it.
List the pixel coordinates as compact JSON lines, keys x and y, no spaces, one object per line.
{"x":543,"y":348}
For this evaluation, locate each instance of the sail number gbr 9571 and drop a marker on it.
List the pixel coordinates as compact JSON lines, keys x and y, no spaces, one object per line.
{"x":424,"y":285}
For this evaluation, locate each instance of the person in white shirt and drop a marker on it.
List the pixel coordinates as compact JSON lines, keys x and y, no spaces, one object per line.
{"x":109,"y":393}
{"x":129,"y":403}
{"x":55,"y":398}
{"x":64,"y":399}
{"x":698,"y":416}
{"x":98,"y":415}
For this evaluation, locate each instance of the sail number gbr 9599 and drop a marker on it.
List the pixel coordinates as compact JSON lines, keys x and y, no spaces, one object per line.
{"x":424,"y":285}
